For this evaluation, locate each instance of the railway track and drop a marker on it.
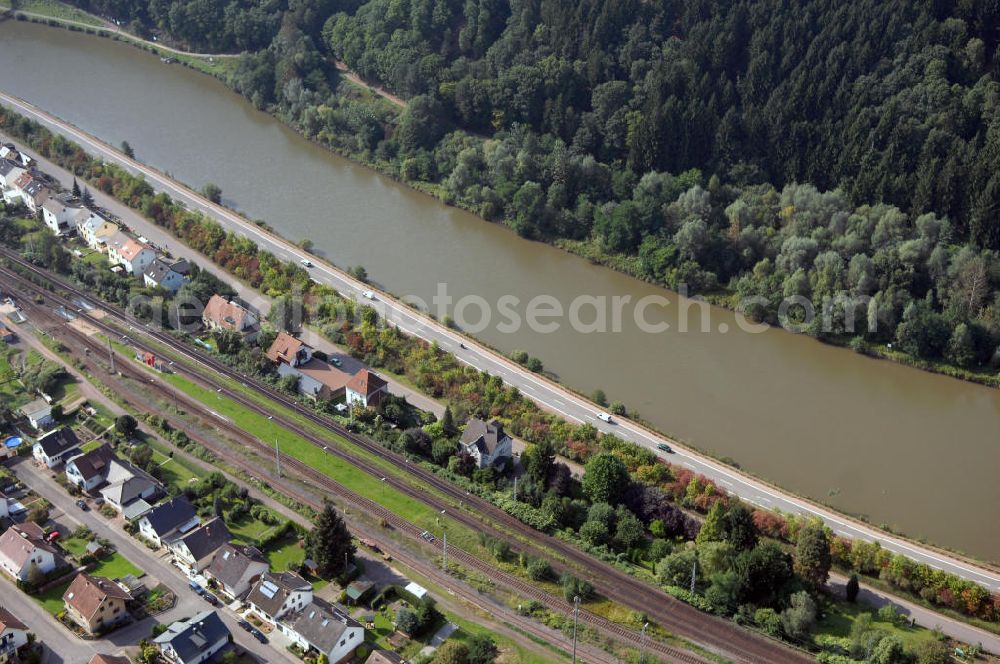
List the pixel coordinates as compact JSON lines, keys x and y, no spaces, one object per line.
{"x":586,"y":653}
{"x":719,"y":635}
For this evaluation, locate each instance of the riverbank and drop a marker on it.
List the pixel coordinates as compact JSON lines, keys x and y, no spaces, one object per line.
{"x":759,"y":399}
{"x":221,"y":67}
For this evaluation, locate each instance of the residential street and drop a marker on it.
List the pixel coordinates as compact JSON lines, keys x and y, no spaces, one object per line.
{"x":546,"y":393}
{"x":154,"y":563}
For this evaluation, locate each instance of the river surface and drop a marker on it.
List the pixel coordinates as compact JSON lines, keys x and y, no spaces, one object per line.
{"x":902,"y":447}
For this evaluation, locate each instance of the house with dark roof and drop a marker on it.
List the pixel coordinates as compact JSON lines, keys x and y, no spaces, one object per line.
{"x":277,"y":594}
{"x":161,"y":273}
{"x":366,"y":388}
{"x":486,"y":442}
{"x":169,"y":520}
{"x":323,"y":628}
{"x":22,"y":547}
{"x":194,"y":550}
{"x":13,"y":635}
{"x":10,"y":170}
{"x":194,"y":640}
{"x":223,"y":314}
{"x":56,"y":447}
{"x":95,"y":603}
{"x":90,"y":470}
{"x":58,"y":212}
{"x":236,"y":568}
{"x":30,"y":189}
{"x":39,"y":414}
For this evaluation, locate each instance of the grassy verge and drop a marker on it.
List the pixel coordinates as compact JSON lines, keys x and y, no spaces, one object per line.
{"x":55,"y":9}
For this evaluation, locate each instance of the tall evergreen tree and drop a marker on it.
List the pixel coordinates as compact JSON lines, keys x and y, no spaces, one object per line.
{"x":76,"y":188}
{"x":329,"y":543}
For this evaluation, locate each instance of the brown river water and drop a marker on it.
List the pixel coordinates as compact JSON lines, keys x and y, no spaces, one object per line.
{"x":913,"y":450}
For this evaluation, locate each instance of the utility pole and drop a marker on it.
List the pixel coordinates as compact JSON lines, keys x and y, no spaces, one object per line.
{"x":111,"y":355}
{"x":444,"y":559}
{"x":694,"y":574}
{"x":642,"y":645}
{"x":576,"y":617}
{"x":277,"y":457}
{"x":515,"y":487}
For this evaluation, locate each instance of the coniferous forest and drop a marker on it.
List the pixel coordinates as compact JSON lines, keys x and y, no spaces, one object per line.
{"x":766,"y":148}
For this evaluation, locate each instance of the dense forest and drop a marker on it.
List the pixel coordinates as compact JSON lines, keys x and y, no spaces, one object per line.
{"x":684,"y":142}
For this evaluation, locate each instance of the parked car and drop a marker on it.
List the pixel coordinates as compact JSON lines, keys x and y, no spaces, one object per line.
{"x":53,"y":536}
{"x":82,"y":504}
{"x":245,"y":626}
{"x":257,"y":634}
{"x":195,"y":586}
{"x":211,"y":599}
{"x":663,"y":447}
{"x":605,"y":417}
{"x":335,"y":361}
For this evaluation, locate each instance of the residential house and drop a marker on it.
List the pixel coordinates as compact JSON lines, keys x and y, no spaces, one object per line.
{"x":164,"y":274}
{"x":384,"y":657}
{"x":10,"y":151}
{"x":95,"y":229}
{"x":95,"y":603}
{"x":169,"y":520}
{"x":56,"y":447}
{"x":278,"y":594}
{"x":89,"y":471}
{"x":109,"y":659}
{"x":31,"y":189}
{"x":194,"y":550}
{"x":9,"y":172}
{"x":323,"y":628}
{"x":223,"y":314}
{"x":486,"y":442}
{"x":236,"y":568}
{"x":194,"y":640}
{"x":127,"y":484}
{"x":59,"y":214}
{"x":286,"y":349}
{"x":317,"y":379}
{"x":39,"y":414}
{"x":22,"y":547}
{"x":13,"y":635}
{"x":4,"y":506}
{"x":130,"y":253}
{"x":366,"y":388}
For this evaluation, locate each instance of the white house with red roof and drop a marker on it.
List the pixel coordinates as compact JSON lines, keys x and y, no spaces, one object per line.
{"x":130,"y":253}
{"x":366,"y":388}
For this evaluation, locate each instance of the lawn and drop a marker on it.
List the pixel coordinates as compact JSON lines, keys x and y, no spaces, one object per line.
{"x":284,"y":552}
{"x":52,"y":599}
{"x":55,"y":10}
{"x":841,"y":616}
{"x":116,"y":566}
{"x":174,"y":472}
{"x":249,"y":530}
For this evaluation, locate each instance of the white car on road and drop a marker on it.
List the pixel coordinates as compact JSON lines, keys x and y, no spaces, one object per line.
{"x":306,"y":262}
{"x":604,"y":417}
{"x":369,"y":295}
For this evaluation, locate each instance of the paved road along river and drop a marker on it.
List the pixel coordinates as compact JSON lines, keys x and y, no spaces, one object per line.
{"x":905,"y":448}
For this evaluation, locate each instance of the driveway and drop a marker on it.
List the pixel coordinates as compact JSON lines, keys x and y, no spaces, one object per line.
{"x":155,"y":563}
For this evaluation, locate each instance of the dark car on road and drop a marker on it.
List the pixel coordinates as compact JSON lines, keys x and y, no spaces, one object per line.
{"x":211,"y":599}
{"x":259,"y":635}
{"x":245,"y":626}
{"x":82,"y":504}
{"x":193,"y":585}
